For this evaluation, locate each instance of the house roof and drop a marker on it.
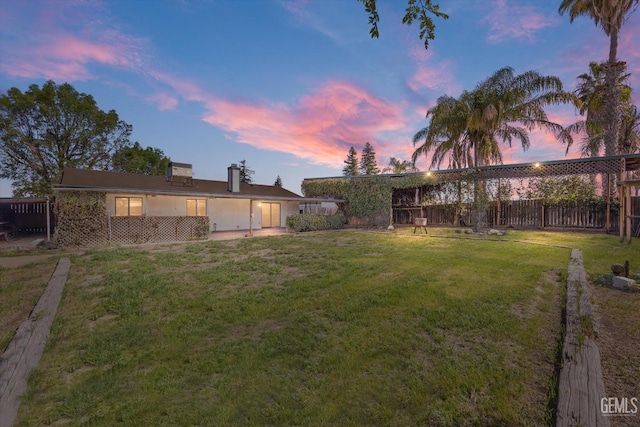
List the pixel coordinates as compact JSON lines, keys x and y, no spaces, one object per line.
{"x":93,"y":180}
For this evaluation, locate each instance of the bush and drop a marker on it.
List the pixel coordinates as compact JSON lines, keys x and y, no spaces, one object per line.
{"x":315,"y":222}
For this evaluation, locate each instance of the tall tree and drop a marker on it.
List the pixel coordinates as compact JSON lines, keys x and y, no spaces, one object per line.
{"x":629,"y":137}
{"x":501,"y":108}
{"x":350,"y":167}
{"x":278,"y":182}
{"x":592,"y":92}
{"x":44,"y":130}
{"x":399,"y":166}
{"x":245,"y":173}
{"x":368,"y":164}
{"x":416,"y":10}
{"x":135,"y":159}
{"x":608,"y":15}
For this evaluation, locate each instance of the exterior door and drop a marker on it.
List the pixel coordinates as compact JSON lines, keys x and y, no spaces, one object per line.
{"x":270,"y":215}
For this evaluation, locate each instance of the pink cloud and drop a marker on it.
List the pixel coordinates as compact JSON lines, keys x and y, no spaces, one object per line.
{"x":438,"y":78}
{"x":320,"y":128}
{"x":507,"y":21}
{"x":163,"y":101}
{"x":65,"y":39}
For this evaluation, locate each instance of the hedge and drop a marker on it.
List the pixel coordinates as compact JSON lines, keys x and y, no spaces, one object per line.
{"x":315,"y":222}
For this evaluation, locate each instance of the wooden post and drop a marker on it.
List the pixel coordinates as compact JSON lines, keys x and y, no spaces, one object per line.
{"x":622,"y":209}
{"x":48,"y":221}
{"x":250,"y":217}
{"x":608,"y":214}
{"x":542,"y":214}
{"x":627,"y":213}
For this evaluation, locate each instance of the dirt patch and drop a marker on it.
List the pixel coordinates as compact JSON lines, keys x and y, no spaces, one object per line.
{"x":616,"y":315}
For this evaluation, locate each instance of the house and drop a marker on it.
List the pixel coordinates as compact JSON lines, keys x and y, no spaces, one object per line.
{"x":126,"y":206}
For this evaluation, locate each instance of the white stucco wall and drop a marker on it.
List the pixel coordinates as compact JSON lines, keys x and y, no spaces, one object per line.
{"x":224,"y":213}
{"x":229,"y":214}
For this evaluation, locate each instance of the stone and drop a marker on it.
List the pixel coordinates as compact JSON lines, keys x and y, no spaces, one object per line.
{"x":468,"y":231}
{"x":605,"y":280}
{"x":493,"y":232}
{"x":617,"y":269}
{"x":620,"y":282}
{"x":390,"y":227}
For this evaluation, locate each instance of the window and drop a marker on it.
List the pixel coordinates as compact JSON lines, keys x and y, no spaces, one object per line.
{"x":196,"y":207}
{"x":128,"y":206}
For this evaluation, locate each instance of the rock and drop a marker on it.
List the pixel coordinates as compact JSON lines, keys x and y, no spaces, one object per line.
{"x":623,"y":282}
{"x":468,"y":231}
{"x":634,"y":287}
{"x":605,"y":280}
{"x":390,"y":227}
{"x":493,"y":232}
{"x":458,"y":231}
{"x":617,"y":269}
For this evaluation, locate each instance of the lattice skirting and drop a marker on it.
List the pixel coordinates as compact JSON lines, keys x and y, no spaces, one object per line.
{"x":132,"y":230}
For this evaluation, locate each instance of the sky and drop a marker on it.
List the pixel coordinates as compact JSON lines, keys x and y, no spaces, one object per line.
{"x":290,"y":85}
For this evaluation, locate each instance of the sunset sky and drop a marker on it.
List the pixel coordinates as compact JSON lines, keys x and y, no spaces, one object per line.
{"x":291,"y":85}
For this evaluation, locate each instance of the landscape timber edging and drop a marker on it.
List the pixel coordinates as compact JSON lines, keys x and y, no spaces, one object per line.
{"x":25,"y":349}
{"x":580,"y":386}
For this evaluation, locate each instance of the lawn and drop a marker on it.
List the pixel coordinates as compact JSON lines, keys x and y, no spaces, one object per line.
{"x":335,"y":328}
{"x":20,"y":289}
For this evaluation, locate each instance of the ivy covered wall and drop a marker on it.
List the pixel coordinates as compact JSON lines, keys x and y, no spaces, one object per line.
{"x":81,"y":219}
{"x":368,"y":199}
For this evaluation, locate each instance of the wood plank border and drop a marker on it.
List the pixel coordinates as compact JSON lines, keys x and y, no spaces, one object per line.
{"x":580,"y":386}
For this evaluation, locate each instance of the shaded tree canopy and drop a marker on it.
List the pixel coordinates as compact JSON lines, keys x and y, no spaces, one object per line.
{"x":368,"y":164}
{"x":351,"y":163}
{"x":420,"y":10}
{"x":135,"y":159}
{"x":44,"y":130}
{"x":245,"y":173}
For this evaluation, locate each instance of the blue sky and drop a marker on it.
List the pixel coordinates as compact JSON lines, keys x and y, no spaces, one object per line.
{"x":290,"y":85}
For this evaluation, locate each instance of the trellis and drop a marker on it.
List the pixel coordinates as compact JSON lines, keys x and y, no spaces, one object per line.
{"x":619,"y":167}
{"x":84,"y":222}
{"x":154,"y":229}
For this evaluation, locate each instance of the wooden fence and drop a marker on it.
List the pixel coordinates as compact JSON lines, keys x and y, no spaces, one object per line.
{"x":27,"y":216}
{"x":530,"y":214}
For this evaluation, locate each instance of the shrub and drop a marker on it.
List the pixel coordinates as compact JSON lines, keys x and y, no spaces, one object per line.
{"x":315,"y":222}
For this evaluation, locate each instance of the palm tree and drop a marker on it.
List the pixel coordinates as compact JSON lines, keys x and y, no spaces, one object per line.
{"x":629,"y":139}
{"x":501,"y":108}
{"x":399,"y":166}
{"x":609,"y":15}
{"x":445,"y":135}
{"x":592,"y":92}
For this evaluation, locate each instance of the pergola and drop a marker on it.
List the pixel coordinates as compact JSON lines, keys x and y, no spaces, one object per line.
{"x":619,"y":166}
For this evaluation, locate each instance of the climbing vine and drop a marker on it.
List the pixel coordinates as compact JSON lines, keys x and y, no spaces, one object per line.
{"x":81,"y":218}
{"x":365,"y":197}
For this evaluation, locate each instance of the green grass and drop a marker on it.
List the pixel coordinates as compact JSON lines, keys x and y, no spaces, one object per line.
{"x":20,"y":289}
{"x":328,"y":328}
